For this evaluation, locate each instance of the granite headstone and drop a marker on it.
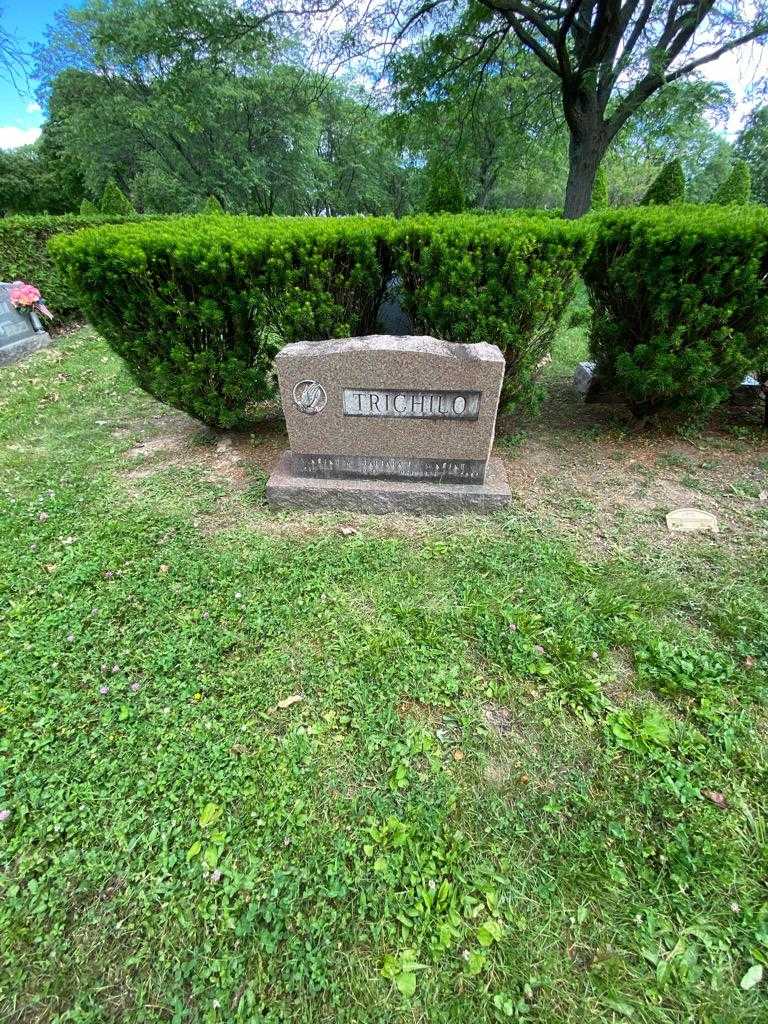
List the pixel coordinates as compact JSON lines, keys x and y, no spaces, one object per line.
{"x":385,"y":423}
{"x":20,"y":333}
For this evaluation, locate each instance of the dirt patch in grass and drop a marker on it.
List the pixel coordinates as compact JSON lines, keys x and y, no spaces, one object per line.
{"x":587,"y":469}
{"x":175,"y":440}
{"x":579,"y":469}
{"x":622,"y":688}
{"x":420,"y":712}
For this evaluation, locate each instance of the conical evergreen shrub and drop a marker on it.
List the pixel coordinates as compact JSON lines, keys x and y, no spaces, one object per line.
{"x":88,"y":208}
{"x":212,"y":206}
{"x":115,"y":202}
{"x":445,"y":192}
{"x":737,"y":187}
{"x":669,"y":186}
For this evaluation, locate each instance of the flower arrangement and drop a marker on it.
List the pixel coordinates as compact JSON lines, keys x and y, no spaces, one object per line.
{"x":27,"y":298}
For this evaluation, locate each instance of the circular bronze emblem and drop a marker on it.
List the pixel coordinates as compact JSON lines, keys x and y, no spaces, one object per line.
{"x":310,"y":397}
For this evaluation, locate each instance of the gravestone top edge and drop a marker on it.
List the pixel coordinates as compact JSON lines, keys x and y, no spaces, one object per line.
{"x":419,"y":344}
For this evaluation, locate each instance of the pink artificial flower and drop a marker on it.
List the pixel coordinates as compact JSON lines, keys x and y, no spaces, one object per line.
{"x":4,"y":815}
{"x":23,"y":294}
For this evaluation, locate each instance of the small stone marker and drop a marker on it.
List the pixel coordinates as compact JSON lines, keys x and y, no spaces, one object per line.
{"x":20,"y":333}
{"x":691,"y":520}
{"x":584,"y":377}
{"x":383,"y":423}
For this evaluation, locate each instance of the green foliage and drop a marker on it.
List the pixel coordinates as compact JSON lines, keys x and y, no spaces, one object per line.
{"x":24,"y":256}
{"x":88,"y":208}
{"x":680,"y":304}
{"x":501,"y":279}
{"x":199,"y":307}
{"x":227,"y":110}
{"x":212,"y":206}
{"x":736,"y":189}
{"x":114,"y":202}
{"x":40,"y":178}
{"x":600,"y":190}
{"x":669,"y":186}
{"x":752,"y":146}
{"x":445,"y":191}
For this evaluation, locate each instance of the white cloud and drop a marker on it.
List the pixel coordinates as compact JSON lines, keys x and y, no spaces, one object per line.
{"x":740,"y":69}
{"x":33,"y":108}
{"x":12,"y":137}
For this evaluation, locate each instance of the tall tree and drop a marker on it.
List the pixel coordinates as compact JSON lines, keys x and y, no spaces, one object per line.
{"x":607,"y":57}
{"x":181,"y":101}
{"x":494,"y":119}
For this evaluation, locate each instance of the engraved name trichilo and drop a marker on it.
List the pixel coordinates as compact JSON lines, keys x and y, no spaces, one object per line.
{"x":423,"y":405}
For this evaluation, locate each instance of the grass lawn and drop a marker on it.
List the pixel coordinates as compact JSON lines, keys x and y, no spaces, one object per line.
{"x":314,"y":768}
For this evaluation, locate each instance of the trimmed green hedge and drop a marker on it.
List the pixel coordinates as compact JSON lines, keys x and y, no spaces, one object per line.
{"x":198,"y":307}
{"x":24,"y":256}
{"x":502,"y":279}
{"x":679,"y":303}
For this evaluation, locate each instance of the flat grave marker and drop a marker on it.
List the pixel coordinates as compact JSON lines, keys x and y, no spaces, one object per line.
{"x":691,"y":520}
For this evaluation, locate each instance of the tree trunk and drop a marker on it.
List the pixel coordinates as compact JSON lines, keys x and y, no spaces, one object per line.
{"x":585,"y":152}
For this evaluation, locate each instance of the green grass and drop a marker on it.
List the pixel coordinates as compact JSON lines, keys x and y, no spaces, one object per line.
{"x":489,"y":804}
{"x":571,"y":346}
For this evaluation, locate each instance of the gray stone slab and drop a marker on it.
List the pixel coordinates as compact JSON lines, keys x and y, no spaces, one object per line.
{"x":372,"y":467}
{"x":286,"y":490}
{"x":14,"y":351}
{"x":20,"y":333}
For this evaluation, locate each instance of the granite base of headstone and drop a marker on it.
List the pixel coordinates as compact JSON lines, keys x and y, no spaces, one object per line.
{"x":20,"y":333}
{"x":384,"y":424}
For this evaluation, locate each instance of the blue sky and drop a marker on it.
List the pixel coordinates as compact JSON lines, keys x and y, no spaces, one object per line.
{"x":20,"y":117}
{"x":26,"y":19}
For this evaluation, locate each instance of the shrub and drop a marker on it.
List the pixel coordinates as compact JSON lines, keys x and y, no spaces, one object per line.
{"x":501,"y":279}
{"x":445,"y":191}
{"x":600,"y":190}
{"x":212,"y":206}
{"x":679,"y":303}
{"x":736,"y":188}
{"x":197,"y":306}
{"x":24,"y":255}
{"x":668,"y":187}
{"x":114,"y":202}
{"x":88,"y":208}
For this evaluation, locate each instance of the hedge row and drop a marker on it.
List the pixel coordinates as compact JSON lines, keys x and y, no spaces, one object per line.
{"x":24,"y":256}
{"x":679,"y":303}
{"x":198,"y":306}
